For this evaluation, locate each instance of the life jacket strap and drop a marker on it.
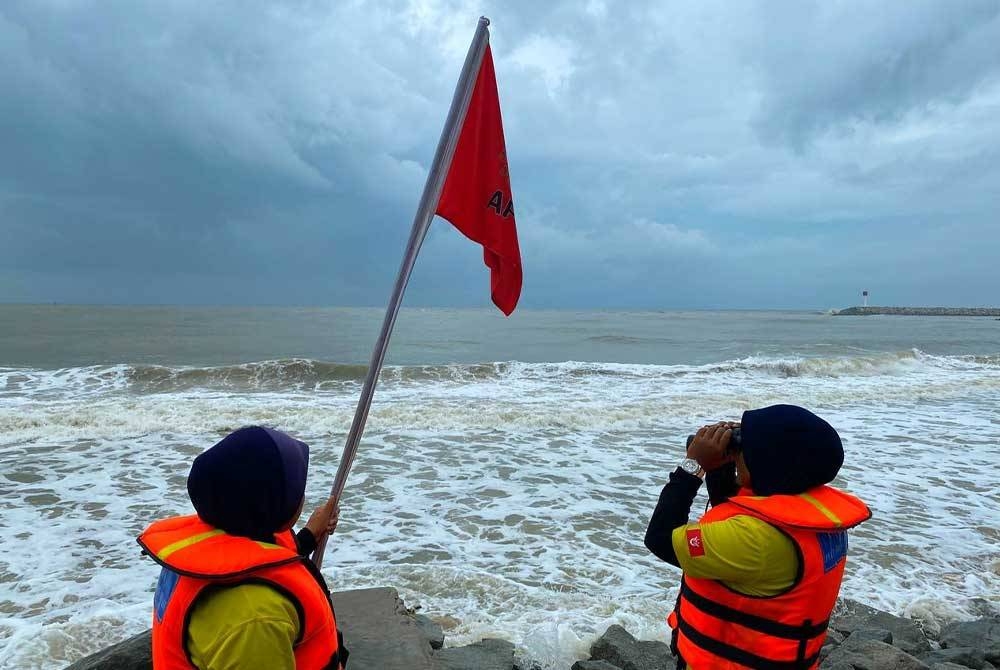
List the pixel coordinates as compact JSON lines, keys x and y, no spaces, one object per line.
{"x":741,"y":656}
{"x":804,"y":632}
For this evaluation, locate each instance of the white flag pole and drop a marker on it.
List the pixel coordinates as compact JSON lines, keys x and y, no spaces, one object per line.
{"x":421,"y":222}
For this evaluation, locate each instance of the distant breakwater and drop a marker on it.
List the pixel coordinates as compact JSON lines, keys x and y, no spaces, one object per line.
{"x":920,"y":311}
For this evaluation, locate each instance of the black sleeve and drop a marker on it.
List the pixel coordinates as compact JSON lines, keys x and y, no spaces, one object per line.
{"x":305,"y":541}
{"x":721,"y":484}
{"x":671,"y":511}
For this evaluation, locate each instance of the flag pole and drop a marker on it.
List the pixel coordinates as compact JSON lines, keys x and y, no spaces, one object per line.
{"x":421,"y":222}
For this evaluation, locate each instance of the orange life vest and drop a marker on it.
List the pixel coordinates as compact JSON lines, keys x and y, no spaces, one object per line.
{"x":719,"y":629}
{"x":196,"y":556}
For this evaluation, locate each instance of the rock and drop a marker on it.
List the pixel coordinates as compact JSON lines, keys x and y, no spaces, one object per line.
{"x":621,"y":650}
{"x":847,"y":608}
{"x":981,"y":607}
{"x":841,"y":665}
{"x":526,"y":664}
{"x":832,"y":641}
{"x":431,"y":630}
{"x":379,"y":632}
{"x":447,"y":622}
{"x":879,"y":634}
{"x":135,"y":653}
{"x":948,"y":666}
{"x":488,"y":654}
{"x":980,"y":634}
{"x":593,"y":665}
{"x":964,"y":656}
{"x":871,"y":655}
{"x":833,"y":638}
{"x":906,"y":634}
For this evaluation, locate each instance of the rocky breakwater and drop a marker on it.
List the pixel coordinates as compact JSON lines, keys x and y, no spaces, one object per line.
{"x":860,"y":638}
{"x":919,"y":311}
{"x":382,"y":634}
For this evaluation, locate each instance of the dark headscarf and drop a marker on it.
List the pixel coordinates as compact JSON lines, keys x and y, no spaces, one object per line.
{"x":251,"y":483}
{"x":789,"y":449}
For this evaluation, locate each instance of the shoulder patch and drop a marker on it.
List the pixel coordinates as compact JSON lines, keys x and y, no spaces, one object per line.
{"x":165,"y":586}
{"x":834,"y":548}
{"x":696,"y":546}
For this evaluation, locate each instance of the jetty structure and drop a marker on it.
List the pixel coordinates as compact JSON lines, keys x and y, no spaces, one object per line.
{"x":865,"y":310}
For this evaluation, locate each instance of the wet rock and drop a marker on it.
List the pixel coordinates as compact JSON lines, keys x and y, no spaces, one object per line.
{"x":379,"y":632}
{"x":135,"y":653}
{"x":825,"y":651}
{"x":488,"y":654}
{"x":871,"y":655}
{"x":594,"y":665}
{"x":968,"y":657}
{"x":906,"y":633}
{"x":431,"y":630}
{"x":621,"y":650}
{"x":523,"y":664}
{"x":447,"y":622}
{"x":833,"y":638}
{"x":879,"y":634}
{"x":981,"y":607}
{"x":832,"y":641}
{"x":847,"y":608}
{"x":980,"y":634}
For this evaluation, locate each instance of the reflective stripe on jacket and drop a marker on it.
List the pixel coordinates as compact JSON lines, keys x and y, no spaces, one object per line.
{"x":196,"y":556}
{"x":720,"y":629}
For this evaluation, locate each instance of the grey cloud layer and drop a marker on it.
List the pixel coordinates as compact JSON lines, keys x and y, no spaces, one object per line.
{"x":682,"y":154}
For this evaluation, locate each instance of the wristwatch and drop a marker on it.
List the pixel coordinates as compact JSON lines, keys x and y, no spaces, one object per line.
{"x":690,"y":466}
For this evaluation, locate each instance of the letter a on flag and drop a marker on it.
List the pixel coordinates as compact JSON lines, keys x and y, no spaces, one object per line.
{"x":476,"y":197}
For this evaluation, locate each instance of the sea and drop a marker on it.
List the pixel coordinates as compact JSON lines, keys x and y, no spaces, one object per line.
{"x":509,"y":466}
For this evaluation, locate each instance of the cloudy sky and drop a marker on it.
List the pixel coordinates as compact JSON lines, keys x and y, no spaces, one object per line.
{"x":663,"y":154}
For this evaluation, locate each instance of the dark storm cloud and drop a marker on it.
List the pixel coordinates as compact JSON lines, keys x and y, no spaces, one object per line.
{"x":681,"y":154}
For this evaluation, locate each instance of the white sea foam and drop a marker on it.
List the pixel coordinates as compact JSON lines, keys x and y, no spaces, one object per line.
{"x":512,"y":496}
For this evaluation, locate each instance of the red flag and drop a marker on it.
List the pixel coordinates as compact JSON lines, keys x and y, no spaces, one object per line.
{"x":476,"y":198}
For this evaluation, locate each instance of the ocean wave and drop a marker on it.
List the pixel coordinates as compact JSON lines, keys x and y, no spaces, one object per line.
{"x":275,"y":375}
{"x":305,"y":375}
{"x":844,"y":366}
{"x":621,"y":339}
{"x":510,"y":410}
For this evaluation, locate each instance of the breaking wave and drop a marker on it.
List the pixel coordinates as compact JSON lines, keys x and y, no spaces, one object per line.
{"x":303,"y":375}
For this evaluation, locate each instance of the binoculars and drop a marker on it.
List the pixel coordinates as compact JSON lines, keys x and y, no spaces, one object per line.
{"x":735,"y":441}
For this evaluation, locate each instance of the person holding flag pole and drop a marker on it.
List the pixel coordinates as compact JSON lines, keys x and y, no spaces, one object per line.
{"x":237,"y":588}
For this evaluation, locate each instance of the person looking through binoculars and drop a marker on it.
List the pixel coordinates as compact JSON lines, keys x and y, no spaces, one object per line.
{"x":762,"y":568}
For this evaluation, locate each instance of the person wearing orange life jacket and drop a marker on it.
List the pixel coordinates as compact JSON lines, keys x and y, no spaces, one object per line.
{"x":763,"y":567}
{"x":237,"y":589}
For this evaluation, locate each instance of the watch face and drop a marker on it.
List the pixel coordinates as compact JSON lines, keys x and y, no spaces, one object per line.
{"x":690,"y":465}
